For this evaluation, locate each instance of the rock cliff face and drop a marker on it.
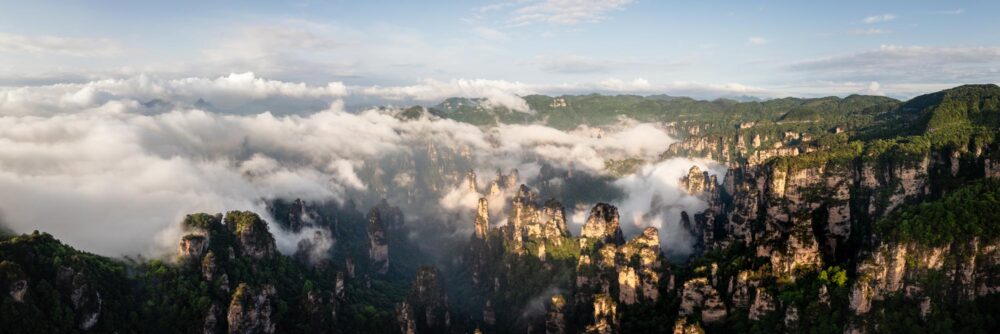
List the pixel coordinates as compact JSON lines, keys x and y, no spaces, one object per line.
{"x":698,"y":295}
{"x":192,"y":246}
{"x":482,"y":223}
{"x":555,"y":319}
{"x":254,"y":239}
{"x":602,"y":226}
{"x":529,"y":221}
{"x":425,"y":309}
{"x":912,"y":270}
{"x":250,"y":309}
{"x":85,"y":299}
{"x":801,"y":215}
{"x":605,"y":315}
{"x":214,"y":246}
{"x":378,"y":244}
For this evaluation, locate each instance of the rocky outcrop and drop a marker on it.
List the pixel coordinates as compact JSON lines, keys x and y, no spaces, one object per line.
{"x":250,"y":309}
{"x":470,"y":182}
{"x":482,"y":222}
{"x":555,"y":318}
{"x":14,"y":278}
{"x":628,"y":286}
{"x":602,"y":226}
{"x":763,"y":304}
{"x":425,"y":309}
{"x":254,"y":239}
{"x":84,"y":298}
{"x":908,"y":268}
{"x":634,"y":269}
{"x":789,"y":217}
{"x":682,"y":326}
{"x":17,"y":290}
{"x":192,"y":247}
{"x":698,"y":295}
{"x":211,"y":322}
{"x":696,"y":181}
{"x":529,"y":221}
{"x":605,"y":315}
{"x":378,"y":243}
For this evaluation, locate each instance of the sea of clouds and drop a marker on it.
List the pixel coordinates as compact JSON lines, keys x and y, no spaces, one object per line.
{"x":112,"y":166}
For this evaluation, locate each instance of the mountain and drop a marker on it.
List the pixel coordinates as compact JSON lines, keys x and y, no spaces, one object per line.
{"x":860,"y":214}
{"x":569,"y":111}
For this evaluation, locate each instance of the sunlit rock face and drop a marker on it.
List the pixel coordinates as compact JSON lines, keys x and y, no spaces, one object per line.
{"x":605,"y":315}
{"x":602,"y":225}
{"x":254,"y":239}
{"x":482,"y":221}
{"x":698,"y":295}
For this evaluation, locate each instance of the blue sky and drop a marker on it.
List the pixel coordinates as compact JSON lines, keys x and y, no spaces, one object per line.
{"x":705,"y":49}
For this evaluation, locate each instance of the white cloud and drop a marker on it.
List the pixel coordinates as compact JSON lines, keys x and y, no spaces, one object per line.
{"x":655,"y":198}
{"x":71,"y":46}
{"x":112,"y":172}
{"x":106,"y":165}
{"x":869,"y":32}
{"x":229,"y":91}
{"x":562,"y":12}
{"x":879,"y":18}
{"x":583,"y":148}
{"x":756,"y":40}
{"x":497,"y":92}
{"x":618,"y":85}
{"x":874,"y":89}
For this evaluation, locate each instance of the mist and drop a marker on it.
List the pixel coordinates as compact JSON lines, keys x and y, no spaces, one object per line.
{"x":94,"y":166}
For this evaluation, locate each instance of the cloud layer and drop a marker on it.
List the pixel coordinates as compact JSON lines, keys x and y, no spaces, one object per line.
{"x":69,"y":46}
{"x":909,"y":63}
{"x":91,"y":164}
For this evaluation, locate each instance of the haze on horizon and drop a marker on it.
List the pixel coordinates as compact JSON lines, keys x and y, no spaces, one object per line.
{"x":378,"y":52}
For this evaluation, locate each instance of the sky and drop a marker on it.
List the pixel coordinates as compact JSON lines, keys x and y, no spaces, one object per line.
{"x":426,"y":50}
{"x":127,"y":115}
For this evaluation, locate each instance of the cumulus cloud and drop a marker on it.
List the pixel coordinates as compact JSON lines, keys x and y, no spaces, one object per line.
{"x":59,"y":45}
{"x":879,"y":18}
